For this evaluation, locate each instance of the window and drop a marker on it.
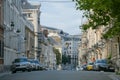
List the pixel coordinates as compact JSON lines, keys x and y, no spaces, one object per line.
{"x":30,"y":15}
{"x":25,"y":15}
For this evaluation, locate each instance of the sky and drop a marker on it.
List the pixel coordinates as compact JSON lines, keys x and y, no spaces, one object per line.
{"x":60,"y":15}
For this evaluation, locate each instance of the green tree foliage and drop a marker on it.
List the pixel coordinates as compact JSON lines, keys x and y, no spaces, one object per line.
{"x":101,"y":12}
{"x":66,"y":59}
{"x":58,"y":56}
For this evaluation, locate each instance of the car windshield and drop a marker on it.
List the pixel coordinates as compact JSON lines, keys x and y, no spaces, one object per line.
{"x":31,"y":61}
{"x":90,"y":63}
{"x":101,"y":61}
{"x":36,"y":62}
{"x":21,"y":60}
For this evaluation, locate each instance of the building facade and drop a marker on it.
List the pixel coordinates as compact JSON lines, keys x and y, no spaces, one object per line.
{"x":47,"y":57}
{"x":32,"y":13}
{"x":13,"y":30}
{"x":29,"y":41}
{"x":14,"y":33}
{"x":70,"y":48}
{"x":1,"y":34}
{"x":55,"y":41}
{"x":94,"y":46}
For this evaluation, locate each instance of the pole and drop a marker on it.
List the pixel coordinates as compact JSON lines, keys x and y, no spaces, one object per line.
{"x":18,"y":36}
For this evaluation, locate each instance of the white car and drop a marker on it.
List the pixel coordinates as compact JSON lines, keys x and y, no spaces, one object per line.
{"x":32,"y":64}
{"x":20,"y":64}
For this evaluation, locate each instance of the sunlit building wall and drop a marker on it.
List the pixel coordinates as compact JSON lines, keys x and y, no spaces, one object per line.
{"x":14,"y":31}
{"x":14,"y":34}
{"x":96,"y":45}
{"x":32,"y":13}
{"x":29,"y":42}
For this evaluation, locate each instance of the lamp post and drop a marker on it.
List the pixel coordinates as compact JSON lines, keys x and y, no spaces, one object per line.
{"x":11,"y":28}
{"x":12,"y":25}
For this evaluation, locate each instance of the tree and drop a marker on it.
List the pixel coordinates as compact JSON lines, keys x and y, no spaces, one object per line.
{"x":58,"y":56}
{"x":101,"y":12}
{"x":66,"y":59}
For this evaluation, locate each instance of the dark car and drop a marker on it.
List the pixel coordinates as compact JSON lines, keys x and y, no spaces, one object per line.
{"x":101,"y":65}
{"x":111,"y":66}
{"x":37,"y":64}
{"x":20,"y":64}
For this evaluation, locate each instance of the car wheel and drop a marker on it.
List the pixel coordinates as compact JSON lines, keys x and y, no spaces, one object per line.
{"x":97,"y":68}
{"x":23,"y":70}
{"x":13,"y":72}
{"x":37,"y":68}
{"x":29,"y":70}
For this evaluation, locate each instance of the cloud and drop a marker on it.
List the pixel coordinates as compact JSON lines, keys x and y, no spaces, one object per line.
{"x":61,"y":15}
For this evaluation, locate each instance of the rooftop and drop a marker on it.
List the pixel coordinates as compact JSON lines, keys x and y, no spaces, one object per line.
{"x":27,"y":5}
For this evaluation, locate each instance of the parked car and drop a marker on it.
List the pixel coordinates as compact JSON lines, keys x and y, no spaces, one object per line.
{"x":111,"y":66}
{"x":79,"y":68}
{"x":100,"y":65}
{"x":32,"y":64}
{"x":20,"y":64}
{"x":89,"y":66}
{"x":84,"y":66}
{"x":37,"y":64}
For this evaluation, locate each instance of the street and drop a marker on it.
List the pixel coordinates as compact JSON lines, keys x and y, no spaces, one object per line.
{"x":58,"y":75}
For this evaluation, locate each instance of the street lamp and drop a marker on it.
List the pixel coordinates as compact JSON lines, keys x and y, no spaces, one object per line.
{"x":12,"y":25}
{"x":11,"y":28}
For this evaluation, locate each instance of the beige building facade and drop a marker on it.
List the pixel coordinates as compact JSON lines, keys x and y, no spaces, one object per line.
{"x":32,"y":13}
{"x":29,"y":42}
{"x":93,"y":46}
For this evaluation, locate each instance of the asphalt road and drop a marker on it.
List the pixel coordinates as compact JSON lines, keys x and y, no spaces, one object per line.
{"x":57,"y":75}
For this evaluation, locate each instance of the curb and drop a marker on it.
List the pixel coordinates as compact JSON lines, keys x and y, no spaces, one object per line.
{"x":114,"y":77}
{"x":5,"y":73}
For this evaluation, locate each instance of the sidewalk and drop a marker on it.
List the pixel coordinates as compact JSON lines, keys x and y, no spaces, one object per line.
{"x":4,"y":70}
{"x":114,"y":76}
{"x":4,"y":73}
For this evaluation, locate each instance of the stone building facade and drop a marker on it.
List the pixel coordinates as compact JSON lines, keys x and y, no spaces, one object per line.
{"x":32,"y":13}
{"x":14,"y":32}
{"x":1,"y":33}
